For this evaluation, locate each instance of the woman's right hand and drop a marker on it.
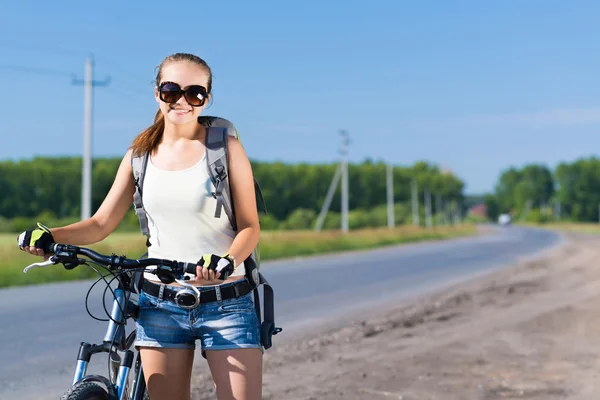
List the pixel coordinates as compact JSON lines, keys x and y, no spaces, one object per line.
{"x":34,"y":241}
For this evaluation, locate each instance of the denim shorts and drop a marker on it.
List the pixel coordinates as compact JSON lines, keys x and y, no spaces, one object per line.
{"x":229,"y":324}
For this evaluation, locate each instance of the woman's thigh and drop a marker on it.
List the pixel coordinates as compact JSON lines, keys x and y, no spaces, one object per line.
{"x":167,"y":372}
{"x":237,"y":373}
{"x":230,"y":336}
{"x":166,"y":343}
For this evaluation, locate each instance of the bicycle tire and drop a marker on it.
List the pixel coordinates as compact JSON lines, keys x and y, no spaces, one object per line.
{"x":86,"y":391}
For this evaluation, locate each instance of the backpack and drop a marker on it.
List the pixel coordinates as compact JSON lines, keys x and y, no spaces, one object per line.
{"x":217,"y":131}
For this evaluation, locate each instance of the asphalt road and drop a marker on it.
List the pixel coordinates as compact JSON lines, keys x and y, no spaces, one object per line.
{"x":41,"y":327}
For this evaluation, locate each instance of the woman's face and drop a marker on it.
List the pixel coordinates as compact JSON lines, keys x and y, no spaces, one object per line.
{"x":177,"y":76}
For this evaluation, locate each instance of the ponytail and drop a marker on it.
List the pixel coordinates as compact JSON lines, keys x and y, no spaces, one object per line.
{"x":148,"y":140}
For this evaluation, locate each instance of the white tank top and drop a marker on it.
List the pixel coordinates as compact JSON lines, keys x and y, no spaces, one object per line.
{"x":181,"y":216}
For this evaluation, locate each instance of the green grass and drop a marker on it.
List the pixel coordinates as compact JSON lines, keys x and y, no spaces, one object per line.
{"x":284,"y":244}
{"x":583,"y":227}
{"x":14,"y":261}
{"x":274,"y":245}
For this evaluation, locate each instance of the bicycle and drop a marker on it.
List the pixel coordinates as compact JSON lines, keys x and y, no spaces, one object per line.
{"x":116,"y":343}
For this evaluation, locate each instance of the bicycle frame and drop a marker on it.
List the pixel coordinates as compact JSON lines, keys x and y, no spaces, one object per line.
{"x":120,"y":366}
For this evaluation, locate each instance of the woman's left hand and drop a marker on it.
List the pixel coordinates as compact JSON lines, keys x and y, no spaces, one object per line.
{"x":213,"y":268}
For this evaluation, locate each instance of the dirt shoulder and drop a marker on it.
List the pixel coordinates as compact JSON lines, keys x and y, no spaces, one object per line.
{"x":531,"y":331}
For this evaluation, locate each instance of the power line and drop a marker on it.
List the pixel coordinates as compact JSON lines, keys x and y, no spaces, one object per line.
{"x":131,"y":93}
{"x":39,"y":71}
{"x":124,"y":85}
{"x":36,"y":47}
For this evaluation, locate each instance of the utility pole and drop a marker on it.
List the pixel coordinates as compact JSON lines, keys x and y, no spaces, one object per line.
{"x":328,"y":198}
{"x":438,"y":209}
{"x":88,"y":84}
{"x":415,"y":202}
{"x":427,"y":198}
{"x":390,"y":196}
{"x":345,"y":142}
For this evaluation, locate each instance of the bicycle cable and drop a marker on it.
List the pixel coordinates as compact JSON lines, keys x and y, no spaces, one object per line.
{"x":115,"y":275}
{"x":114,"y":336}
{"x":87,"y":296}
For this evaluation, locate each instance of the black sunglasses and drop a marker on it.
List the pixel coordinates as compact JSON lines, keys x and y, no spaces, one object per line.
{"x":170,"y":92}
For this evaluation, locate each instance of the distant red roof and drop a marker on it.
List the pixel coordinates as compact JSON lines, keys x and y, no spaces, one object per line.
{"x":479,"y":210}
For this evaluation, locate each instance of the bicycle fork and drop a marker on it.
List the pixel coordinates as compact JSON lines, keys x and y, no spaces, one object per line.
{"x":115,"y":330}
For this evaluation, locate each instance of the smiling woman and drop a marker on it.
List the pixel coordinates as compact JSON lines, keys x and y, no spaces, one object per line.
{"x":179,"y":106}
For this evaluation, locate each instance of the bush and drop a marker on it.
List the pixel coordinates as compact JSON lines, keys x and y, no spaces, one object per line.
{"x":301,"y":219}
{"x":476,"y":219}
{"x":268,"y":222}
{"x":359,"y":219}
{"x":20,"y":224}
{"x":5,"y":224}
{"x":538,"y":217}
{"x":333,"y":220}
{"x":129,"y":223}
{"x":377,"y":217}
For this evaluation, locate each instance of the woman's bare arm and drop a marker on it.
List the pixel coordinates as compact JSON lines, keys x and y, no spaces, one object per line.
{"x":109,"y":215}
{"x":244,"y":200}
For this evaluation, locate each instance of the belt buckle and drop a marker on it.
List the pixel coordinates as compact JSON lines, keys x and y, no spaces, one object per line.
{"x":188,"y":297}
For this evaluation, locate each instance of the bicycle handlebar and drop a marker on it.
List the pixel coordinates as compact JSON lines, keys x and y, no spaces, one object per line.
{"x":64,"y":253}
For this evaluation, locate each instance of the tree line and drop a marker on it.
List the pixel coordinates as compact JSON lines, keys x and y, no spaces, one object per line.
{"x":536,"y":193}
{"x":50,"y":188}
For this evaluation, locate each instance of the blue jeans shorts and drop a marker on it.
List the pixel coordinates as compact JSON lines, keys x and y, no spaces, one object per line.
{"x":228,"y":324}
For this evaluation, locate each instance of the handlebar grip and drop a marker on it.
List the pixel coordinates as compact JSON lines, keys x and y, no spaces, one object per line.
{"x":190,"y":268}
{"x":49,"y":248}
{"x":224,"y":275}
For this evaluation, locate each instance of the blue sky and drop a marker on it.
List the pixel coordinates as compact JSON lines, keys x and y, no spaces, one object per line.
{"x":475,"y":86}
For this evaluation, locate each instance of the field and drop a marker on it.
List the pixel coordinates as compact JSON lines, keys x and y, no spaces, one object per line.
{"x":579,"y":227}
{"x":274,"y":245}
{"x":572,"y":227}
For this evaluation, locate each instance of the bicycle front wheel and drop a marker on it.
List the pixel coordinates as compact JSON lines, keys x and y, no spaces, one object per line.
{"x":86,"y":391}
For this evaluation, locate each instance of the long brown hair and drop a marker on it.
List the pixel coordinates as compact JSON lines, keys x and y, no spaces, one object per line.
{"x":149,"y":138}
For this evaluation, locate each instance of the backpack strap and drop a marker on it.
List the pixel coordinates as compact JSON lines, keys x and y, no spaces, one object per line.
{"x":267,"y":324}
{"x":220,"y":141}
{"x":217,"y":162}
{"x":138,"y":165}
{"x":260,"y":195}
{"x":267,"y":327}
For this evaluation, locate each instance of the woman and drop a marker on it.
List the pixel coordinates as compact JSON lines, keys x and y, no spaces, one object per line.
{"x":181,"y":213}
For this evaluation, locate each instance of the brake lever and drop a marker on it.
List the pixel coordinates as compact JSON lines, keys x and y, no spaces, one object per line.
{"x":46,"y":263}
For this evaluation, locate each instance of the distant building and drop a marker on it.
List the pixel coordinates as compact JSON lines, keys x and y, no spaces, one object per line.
{"x":478,"y":210}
